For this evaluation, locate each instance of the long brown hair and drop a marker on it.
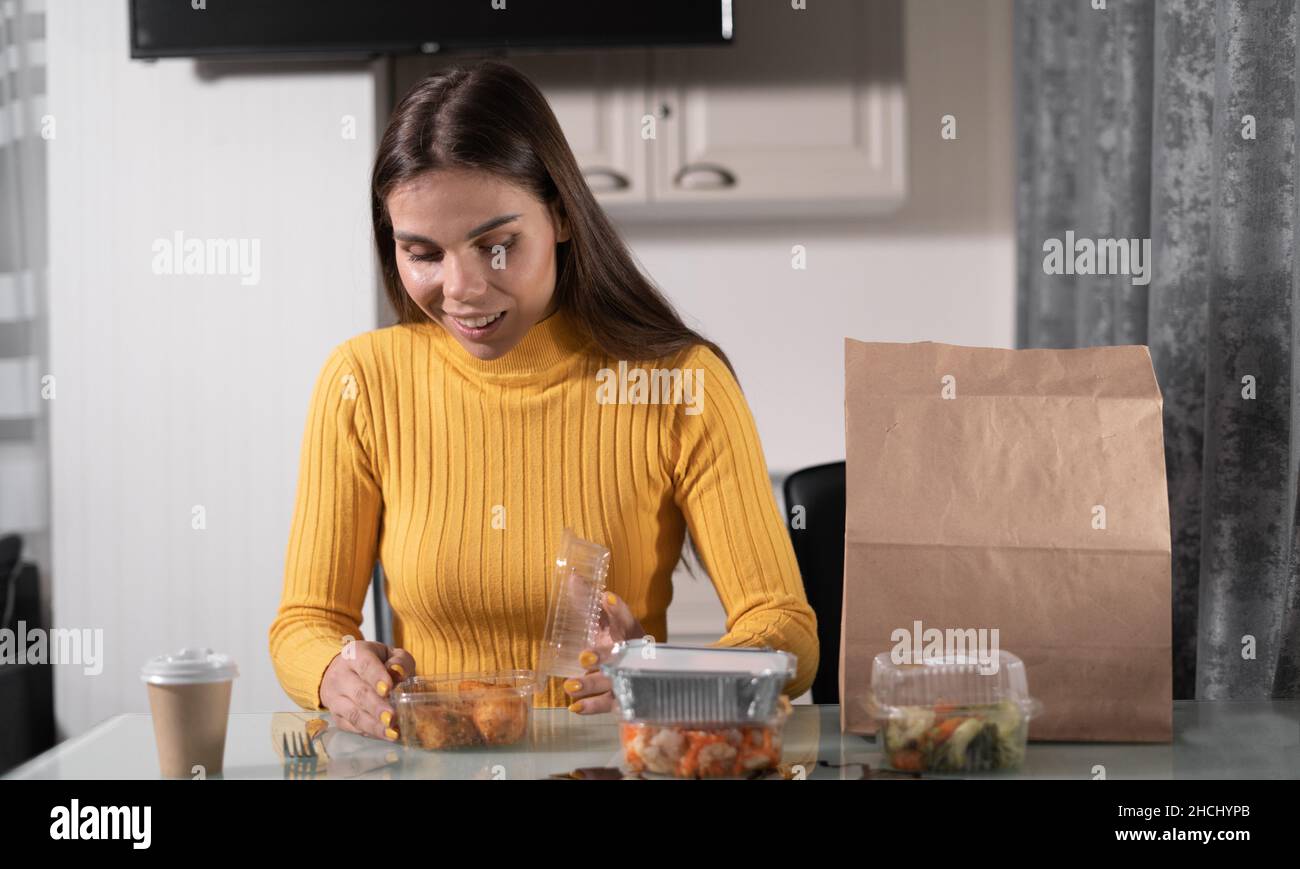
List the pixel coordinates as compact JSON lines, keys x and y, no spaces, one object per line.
{"x":489,"y":116}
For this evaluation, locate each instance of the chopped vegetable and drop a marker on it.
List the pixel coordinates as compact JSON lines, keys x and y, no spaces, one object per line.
{"x":949,"y":738}
{"x":945,"y":729}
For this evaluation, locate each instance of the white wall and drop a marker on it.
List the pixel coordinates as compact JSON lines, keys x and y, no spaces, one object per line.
{"x":188,"y":390}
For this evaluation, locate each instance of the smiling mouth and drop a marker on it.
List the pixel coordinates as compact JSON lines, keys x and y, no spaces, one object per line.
{"x":479,"y":322}
{"x":477,"y":327}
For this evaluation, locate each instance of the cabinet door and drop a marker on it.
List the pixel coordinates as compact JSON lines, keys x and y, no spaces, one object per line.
{"x":599,"y":99}
{"x":806,"y":106}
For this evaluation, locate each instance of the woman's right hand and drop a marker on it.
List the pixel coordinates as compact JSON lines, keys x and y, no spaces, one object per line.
{"x":356,"y":686}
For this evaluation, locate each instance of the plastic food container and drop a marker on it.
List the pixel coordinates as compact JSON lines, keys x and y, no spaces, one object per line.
{"x":574,"y":615}
{"x":716,"y":751}
{"x":662,"y":683}
{"x":945,"y":715}
{"x":468,"y":710}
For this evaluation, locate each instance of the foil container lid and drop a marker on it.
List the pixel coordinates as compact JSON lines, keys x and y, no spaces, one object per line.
{"x":664,"y":683}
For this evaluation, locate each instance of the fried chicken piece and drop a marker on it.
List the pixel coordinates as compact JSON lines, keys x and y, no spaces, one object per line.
{"x":445,"y":725}
{"x":499,"y":713}
{"x":501,"y":717}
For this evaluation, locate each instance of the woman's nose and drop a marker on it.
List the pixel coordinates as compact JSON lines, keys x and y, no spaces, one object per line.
{"x":461,"y":280}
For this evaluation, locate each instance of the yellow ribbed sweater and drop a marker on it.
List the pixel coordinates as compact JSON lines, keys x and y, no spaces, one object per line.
{"x":415,"y":451}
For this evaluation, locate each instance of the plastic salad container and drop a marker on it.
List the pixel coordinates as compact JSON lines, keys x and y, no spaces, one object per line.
{"x":715,"y":751}
{"x":945,"y":715}
{"x":464,"y":711}
{"x":573,"y":618}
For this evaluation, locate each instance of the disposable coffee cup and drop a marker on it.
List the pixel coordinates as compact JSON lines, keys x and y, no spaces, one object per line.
{"x":189,"y":694}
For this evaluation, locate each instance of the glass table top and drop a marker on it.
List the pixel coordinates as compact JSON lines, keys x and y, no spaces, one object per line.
{"x":1213,"y":739}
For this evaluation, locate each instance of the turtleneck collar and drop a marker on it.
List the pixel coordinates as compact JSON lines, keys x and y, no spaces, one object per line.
{"x":547,"y":345}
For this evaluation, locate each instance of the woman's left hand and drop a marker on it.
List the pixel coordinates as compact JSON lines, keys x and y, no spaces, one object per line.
{"x":591,"y":692}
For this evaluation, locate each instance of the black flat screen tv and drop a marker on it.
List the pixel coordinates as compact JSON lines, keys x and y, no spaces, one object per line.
{"x":365,"y":28}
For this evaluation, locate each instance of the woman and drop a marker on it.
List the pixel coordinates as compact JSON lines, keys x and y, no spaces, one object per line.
{"x":458,"y":444}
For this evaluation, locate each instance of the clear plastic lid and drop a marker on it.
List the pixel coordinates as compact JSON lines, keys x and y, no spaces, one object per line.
{"x":573,"y":618}
{"x":953,"y":680}
{"x":423,"y":689}
{"x":189,"y":667}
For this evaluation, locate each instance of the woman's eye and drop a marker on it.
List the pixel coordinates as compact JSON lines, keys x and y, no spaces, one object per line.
{"x":506,"y":244}
{"x":486,"y":248}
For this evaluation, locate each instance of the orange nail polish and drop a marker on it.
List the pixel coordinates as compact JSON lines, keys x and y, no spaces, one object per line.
{"x":382,"y":688}
{"x":588,"y":658}
{"x":397,"y":668}
{"x":576,"y":707}
{"x":611,"y":599}
{"x":572,"y":685}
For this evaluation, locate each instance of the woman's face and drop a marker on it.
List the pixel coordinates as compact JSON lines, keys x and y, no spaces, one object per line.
{"x":471,"y":247}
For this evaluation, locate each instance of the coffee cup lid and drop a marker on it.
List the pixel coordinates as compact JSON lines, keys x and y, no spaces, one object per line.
{"x":189,"y":666}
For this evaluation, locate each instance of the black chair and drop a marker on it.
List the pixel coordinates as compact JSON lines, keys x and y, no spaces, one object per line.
{"x":819,"y":549}
{"x":26,"y":690}
{"x":383,"y":612}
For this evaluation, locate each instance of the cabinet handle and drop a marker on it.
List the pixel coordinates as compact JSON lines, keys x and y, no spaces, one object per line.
{"x":605,"y":180}
{"x":704,"y":176}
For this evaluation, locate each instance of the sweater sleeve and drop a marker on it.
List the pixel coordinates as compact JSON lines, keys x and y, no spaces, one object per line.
{"x":333,"y":538}
{"x":724,"y":491}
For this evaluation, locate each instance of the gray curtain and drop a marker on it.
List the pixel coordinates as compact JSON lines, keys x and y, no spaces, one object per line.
{"x":1132,"y":123}
{"x":24,"y":418}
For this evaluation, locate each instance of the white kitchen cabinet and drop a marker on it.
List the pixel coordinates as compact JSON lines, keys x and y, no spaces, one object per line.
{"x":803,"y":114}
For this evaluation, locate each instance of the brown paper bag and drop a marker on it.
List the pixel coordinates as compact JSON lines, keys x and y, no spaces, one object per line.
{"x":1022,"y":490}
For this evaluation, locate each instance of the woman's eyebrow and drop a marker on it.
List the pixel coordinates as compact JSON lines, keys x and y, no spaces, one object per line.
{"x":486,"y":226}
